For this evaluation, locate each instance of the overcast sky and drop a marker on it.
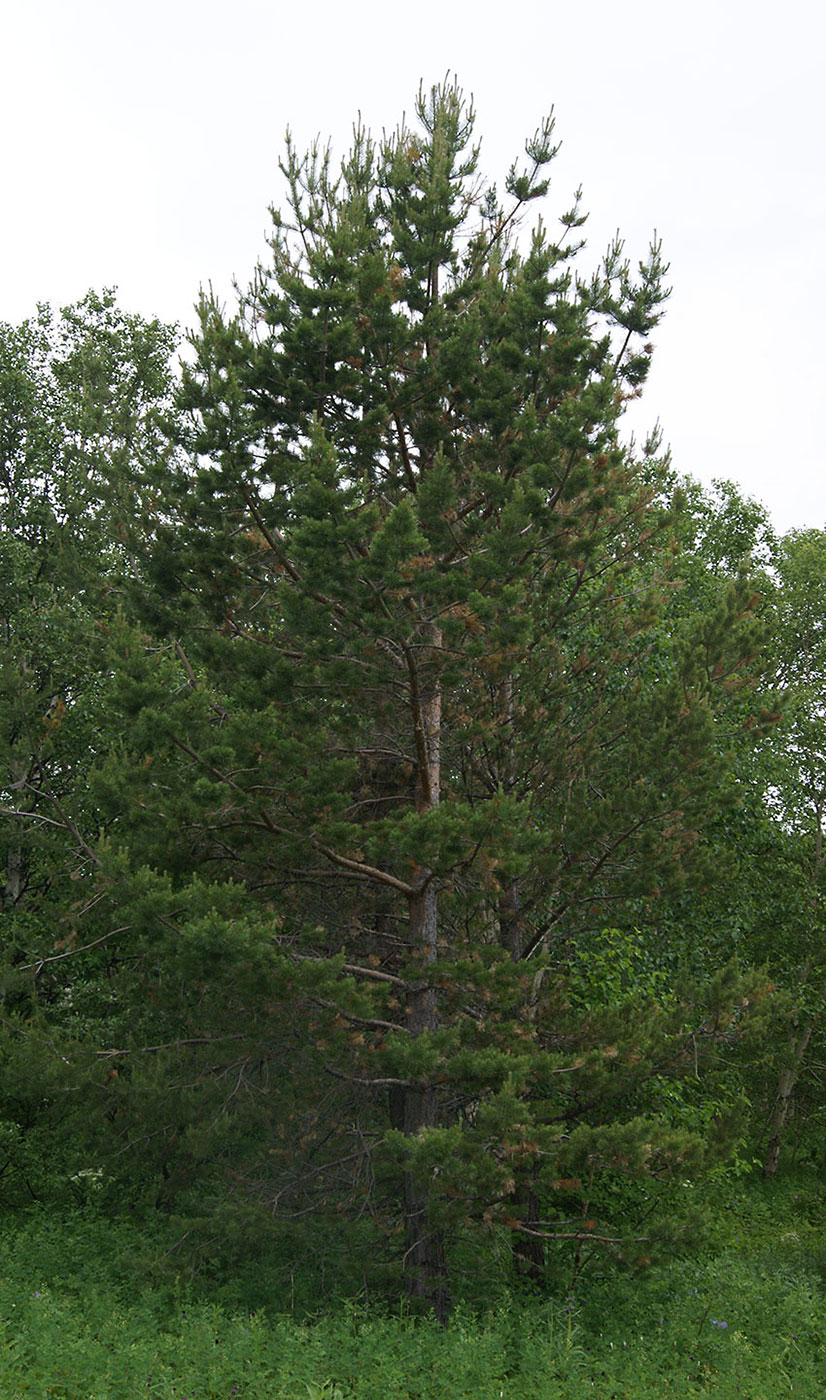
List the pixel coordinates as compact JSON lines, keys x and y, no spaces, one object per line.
{"x":141,"y":144}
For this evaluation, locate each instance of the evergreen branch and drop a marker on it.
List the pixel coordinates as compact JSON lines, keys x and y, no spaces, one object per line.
{"x":181,"y":655}
{"x":375,"y":975}
{"x":193,"y":679}
{"x":387,"y":1083}
{"x":372,"y":973}
{"x":167,"y":1045}
{"x":370,"y":872}
{"x":278,"y":545}
{"x":582,"y":1235}
{"x":37,"y":967}
{"x":66,"y":822}
{"x":408,"y":469}
{"x":428,"y":797}
{"x":31,"y":816}
{"x":374,"y":1023}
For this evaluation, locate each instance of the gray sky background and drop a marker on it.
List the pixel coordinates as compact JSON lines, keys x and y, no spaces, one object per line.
{"x":141,"y":144}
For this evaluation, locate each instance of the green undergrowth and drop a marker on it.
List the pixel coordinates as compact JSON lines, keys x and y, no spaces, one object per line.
{"x":743,"y":1316}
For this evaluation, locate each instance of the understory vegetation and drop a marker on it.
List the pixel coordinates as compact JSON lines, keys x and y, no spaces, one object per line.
{"x":99,"y":1308}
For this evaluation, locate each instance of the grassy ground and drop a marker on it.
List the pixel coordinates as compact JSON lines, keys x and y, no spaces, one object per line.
{"x":745,"y":1317}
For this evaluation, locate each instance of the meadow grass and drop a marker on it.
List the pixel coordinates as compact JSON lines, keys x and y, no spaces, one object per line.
{"x":744,"y":1317}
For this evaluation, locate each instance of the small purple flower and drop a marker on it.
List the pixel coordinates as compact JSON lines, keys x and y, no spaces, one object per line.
{"x":715,"y":1323}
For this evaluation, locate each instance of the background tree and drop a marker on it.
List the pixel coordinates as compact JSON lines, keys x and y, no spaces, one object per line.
{"x":82,"y":393}
{"x":759,"y":895}
{"x":796,"y":798}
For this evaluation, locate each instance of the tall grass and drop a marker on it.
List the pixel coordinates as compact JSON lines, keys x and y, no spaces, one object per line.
{"x":746,"y":1318}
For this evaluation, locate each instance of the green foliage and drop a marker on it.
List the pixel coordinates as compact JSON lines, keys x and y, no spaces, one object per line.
{"x":82,"y":394}
{"x":744,"y":1317}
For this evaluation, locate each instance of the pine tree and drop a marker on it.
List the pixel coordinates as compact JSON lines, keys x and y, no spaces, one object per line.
{"x":414,"y":701}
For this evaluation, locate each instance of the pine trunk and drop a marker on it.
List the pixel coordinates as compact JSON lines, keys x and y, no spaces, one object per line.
{"x":527,"y":1252}
{"x":425,"y":1264}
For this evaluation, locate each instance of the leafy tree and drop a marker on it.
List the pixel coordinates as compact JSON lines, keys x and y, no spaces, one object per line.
{"x":82,"y":393}
{"x":760,"y":895}
{"x":796,"y":799}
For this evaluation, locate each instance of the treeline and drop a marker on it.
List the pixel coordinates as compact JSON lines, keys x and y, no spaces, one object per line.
{"x":411,"y":796}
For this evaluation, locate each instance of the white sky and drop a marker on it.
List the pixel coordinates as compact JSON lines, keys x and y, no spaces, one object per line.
{"x":140,"y":148}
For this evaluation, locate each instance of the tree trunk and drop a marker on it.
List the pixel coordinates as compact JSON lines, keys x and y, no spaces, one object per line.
{"x":528,"y":1253}
{"x":788,"y":1077}
{"x":425,"y":1265}
{"x":417,"y":1107}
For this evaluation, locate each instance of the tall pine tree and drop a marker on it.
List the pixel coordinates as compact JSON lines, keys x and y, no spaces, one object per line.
{"x":415,"y":705}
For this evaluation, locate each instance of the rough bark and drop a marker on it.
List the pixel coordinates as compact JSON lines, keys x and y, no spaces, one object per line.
{"x":528,"y":1252}
{"x":417,"y":1107}
{"x":425,"y":1264}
